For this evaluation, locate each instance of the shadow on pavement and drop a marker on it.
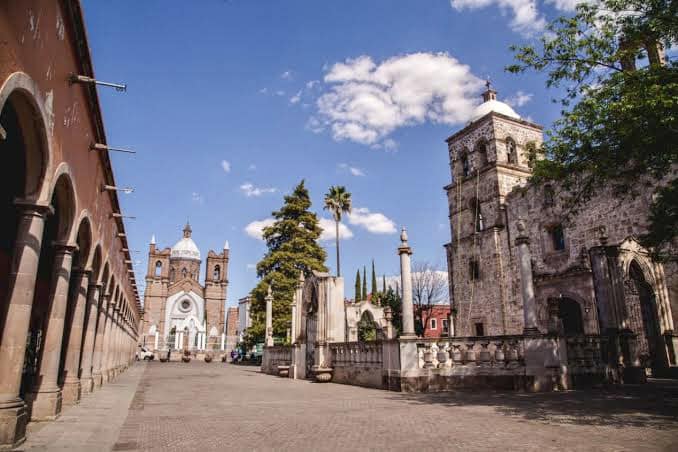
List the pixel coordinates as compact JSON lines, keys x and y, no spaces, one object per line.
{"x":653,"y":405}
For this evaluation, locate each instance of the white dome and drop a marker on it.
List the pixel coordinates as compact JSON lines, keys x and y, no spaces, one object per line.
{"x":185,"y":249}
{"x":496,"y":106}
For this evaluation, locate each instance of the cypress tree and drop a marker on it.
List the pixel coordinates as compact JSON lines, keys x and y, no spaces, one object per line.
{"x":374,"y":281}
{"x":364,"y":283}
{"x":383,"y":283}
{"x":357,"y":286}
{"x":292,"y":243}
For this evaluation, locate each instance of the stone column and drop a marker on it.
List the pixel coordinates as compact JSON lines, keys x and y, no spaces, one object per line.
{"x":46,"y":393}
{"x":71,"y":387}
{"x":116,"y":342}
{"x":23,"y":273}
{"x":86,"y":380}
{"x":526,"y":281}
{"x":103,"y":325}
{"x":269,"y":318}
{"x":157,"y":338}
{"x":293,"y":332}
{"x":405,"y":252}
{"x":108,"y":344}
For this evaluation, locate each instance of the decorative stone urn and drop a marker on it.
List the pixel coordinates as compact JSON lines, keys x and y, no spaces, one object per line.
{"x":322,"y":374}
{"x":186,"y":357}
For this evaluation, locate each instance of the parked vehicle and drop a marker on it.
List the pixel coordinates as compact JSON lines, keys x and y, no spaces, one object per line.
{"x":145,"y":354}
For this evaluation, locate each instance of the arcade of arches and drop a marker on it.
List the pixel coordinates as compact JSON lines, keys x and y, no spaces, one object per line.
{"x":69,"y":307}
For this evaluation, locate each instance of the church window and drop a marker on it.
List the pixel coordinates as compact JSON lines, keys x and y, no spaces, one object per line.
{"x":558,"y":238}
{"x":480,"y":329}
{"x":474,"y":269}
{"x":481,"y":153}
{"x":184,"y":272}
{"x":548,"y":195}
{"x":172,"y":274}
{"x":446,"y":326}
{"x":511,"y":152}
{"x":465,"y":167}
{"x":434,"y":324}
{"x":216,"y":276}
{"x":478,"y":219}
{"x":158,"y":268}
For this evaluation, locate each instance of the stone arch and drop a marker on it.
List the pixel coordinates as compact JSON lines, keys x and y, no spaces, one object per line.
{"x":480,"y":150}
{"x":22,"y":94}
{"x":62,"y":194}
{"x":511,"y":151}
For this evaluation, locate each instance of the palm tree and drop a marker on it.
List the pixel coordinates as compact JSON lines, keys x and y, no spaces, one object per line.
{"x":338,"y":201}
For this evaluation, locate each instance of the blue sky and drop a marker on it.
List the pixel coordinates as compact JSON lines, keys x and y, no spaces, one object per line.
{"x":232,"y":103}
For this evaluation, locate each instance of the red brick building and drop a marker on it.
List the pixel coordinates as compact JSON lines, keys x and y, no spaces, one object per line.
{"x":436,"y":320}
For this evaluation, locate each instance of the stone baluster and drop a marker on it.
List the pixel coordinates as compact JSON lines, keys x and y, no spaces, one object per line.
{"x":499,"y":352}
{"x":457,"y":354}
{"x":470,"y":353}
{"x":484,"y":353}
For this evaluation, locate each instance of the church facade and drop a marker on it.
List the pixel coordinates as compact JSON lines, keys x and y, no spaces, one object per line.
{"x":180,"y":312}
{"x":590,"y":275}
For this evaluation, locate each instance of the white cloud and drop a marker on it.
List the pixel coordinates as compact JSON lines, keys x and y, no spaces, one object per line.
{"x":366,"y":101}
{"x":280,"y":93}
{"x":519,"y":99}
{"x":315,"y":125}
{"x":526,"y":19}
{"x":263,"y":91}
{"x":197,"y":198}
{"x":256,"y":228}
{"x":312,"y":84}
{"x":296,"y":98}
{"x":287,"y":75}
{"x":374,"y":222}
{"x":565,"y":5}
{"x":355,"y":171}
{"x":252,"y":167}
{"x":226,"y":165}
{"x":330,"y":232}
{"x":250,"y":190}
{"x":251,"y":266}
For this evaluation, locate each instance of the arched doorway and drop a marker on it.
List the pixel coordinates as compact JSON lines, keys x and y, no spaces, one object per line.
{"x":570,"y":317}
{"x":643,"y":314}
{"x":367,"y":328}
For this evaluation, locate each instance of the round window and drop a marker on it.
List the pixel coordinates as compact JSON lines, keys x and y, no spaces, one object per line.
{"x":185,"y":305}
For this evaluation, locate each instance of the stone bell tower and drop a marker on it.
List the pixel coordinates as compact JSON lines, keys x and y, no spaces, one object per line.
{"x":216,"y":281}
{"x":488,"y":158}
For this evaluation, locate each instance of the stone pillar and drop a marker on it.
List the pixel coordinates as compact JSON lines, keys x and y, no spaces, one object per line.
{"x":269,"y":318}
{"x":526,"y":281}
{"x":23,"y":273}
{"x":157,"y":338}
{"x":293,"y":332}
{"x":101,"y":345}
{"x":177,"y":335}
{"x":405,"y":252}
{"x":86,"y":379}
{"x":71,"y":387}
{"x":46,"y":394}
{"x":109,"y":344}
{"x":223,"y":341}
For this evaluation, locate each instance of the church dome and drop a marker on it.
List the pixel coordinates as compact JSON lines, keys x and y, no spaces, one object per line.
{"x":490,"y":103}
{"x":186,"y":247}
{"x":495,"y":106}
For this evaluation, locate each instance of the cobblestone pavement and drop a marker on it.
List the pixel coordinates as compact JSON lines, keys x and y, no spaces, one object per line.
{"x":205,"y":407}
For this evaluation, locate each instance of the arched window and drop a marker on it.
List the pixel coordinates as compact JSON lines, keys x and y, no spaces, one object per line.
{"x":481,"y":153}
{"x":558,"y":238}
{"x":478,"y":219}
{"x":158,"y":268}
{"x":172,"y":274}
{"x":465,"y":167}
{"x":184,"y":272}
{"x":216,"y":275}
{"x":474,"y":269}
{"x":511,"y":152}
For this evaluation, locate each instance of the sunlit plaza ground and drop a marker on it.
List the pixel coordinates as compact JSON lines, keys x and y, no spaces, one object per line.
{"x":198,"y":406}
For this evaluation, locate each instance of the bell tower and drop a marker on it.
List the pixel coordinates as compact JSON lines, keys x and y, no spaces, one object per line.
{"x":488,"y":159}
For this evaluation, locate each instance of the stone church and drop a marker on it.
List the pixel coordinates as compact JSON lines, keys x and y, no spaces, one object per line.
{"x":179,"y":312}
{"x":589,"y":274}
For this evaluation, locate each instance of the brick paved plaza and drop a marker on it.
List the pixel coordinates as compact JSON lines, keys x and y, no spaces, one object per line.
{"x":172,"y":407}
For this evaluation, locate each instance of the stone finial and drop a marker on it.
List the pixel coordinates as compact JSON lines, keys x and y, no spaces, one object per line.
{"x":187,"y":230}
{"x":521,"y":226}
{"x":403,"y":237}
{"x":268,"y":292}
{"x":226,"y":245}
{"x":153,"y":239}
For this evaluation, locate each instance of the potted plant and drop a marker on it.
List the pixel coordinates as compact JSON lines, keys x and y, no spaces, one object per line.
{"x":187,"y":356}
{"x":209,"y":357}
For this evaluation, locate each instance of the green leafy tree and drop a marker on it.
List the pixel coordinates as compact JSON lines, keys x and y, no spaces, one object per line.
{"x":383,"y":283}
{"x":389,"y":298}
{"x":364,"y":283}
{"x":292,"y":242}
{"x":337,"y":201}
{"x":619,"y":125}
{"x":358,"y":294}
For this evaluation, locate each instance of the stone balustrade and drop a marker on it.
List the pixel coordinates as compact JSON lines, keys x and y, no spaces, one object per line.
{"x":499,"y":352}
{"x":586,"y":353}
{"x":356,"y":353}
